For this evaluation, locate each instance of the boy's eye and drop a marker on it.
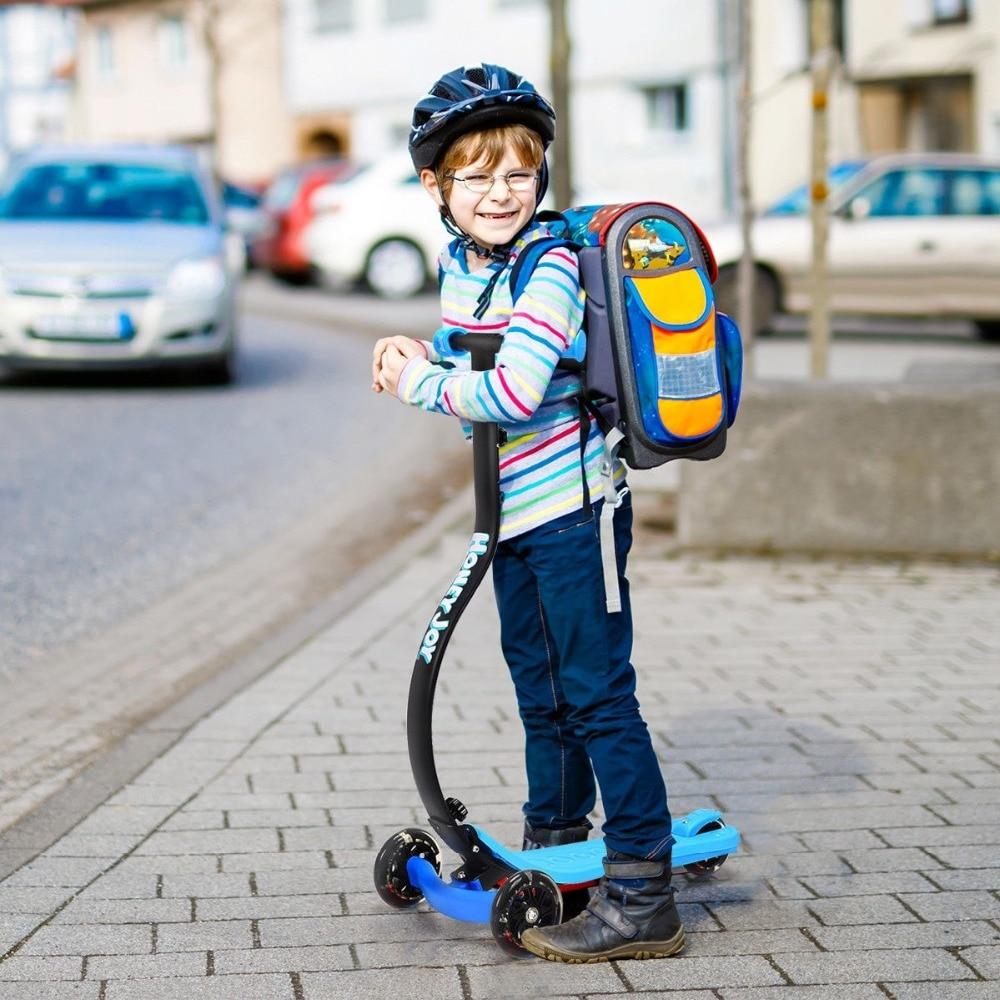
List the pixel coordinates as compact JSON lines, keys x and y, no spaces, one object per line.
{"x":520,"y":177}
{"x":478,"y":179}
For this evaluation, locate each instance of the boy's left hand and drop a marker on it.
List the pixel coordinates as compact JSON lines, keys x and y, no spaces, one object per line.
{"x":394,"y":360}
{"x":406,"y":346}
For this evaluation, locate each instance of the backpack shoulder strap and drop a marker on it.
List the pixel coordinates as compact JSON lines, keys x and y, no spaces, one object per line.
{"x":528,"y":258}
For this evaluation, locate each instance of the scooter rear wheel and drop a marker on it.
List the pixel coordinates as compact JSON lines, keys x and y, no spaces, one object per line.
{"x":709,"y":865}
{"x":526,"y":899}
{"x":392,"y":882}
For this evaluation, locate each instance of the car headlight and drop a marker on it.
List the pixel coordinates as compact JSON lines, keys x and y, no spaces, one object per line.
{"x":197,"y":278}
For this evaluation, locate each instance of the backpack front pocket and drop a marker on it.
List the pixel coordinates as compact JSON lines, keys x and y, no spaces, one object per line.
{"x":672,"y":324}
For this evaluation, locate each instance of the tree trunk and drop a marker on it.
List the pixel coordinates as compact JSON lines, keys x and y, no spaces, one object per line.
{"x":745,"y":282}
{"x":559,"y":59}
{"x":821,"y":33}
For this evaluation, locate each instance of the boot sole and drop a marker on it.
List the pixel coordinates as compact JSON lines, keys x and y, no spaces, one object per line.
{"x":641,"y":949}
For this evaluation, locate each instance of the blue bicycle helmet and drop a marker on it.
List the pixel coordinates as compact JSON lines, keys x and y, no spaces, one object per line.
{"x":473,"y":98}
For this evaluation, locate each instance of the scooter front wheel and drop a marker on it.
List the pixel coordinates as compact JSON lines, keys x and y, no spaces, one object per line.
{"x":526,"y":899}
{"x":391,"y":880}
{"x":709,"y":865}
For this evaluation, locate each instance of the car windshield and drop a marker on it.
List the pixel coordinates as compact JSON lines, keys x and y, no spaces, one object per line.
{"x":797,"y":202}
{"x":104,"y":192}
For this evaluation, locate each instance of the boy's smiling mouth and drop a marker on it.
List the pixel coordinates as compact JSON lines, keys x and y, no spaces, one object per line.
{"x":498,"y":216}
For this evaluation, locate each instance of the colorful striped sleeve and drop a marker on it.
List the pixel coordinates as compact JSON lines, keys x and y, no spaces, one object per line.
{"x":545,"y":320}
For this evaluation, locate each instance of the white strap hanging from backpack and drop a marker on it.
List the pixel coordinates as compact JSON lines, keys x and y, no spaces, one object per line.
{"x":612,"y":500}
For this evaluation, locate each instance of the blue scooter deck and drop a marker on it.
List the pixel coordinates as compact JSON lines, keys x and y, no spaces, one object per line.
{"x":567,"y":865}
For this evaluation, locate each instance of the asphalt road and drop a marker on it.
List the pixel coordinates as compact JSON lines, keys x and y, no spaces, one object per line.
{"x":114,"y":490}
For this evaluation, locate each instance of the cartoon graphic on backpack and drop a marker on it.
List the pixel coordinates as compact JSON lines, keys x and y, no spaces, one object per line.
{"x":661,"y":367}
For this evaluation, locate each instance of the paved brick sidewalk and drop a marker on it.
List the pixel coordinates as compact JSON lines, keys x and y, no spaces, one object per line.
{"x":842,"y":714}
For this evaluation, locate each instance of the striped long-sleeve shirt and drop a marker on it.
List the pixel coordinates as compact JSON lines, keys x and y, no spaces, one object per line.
{"x":540,"y":463}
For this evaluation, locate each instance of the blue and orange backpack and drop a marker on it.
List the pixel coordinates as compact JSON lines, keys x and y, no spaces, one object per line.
{"x":660,"y":364}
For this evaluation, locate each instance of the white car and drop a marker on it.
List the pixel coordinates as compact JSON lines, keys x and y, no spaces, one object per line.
{"x":379,"y":227}
{"x":910,"y":235}
{"x":116,"y":256}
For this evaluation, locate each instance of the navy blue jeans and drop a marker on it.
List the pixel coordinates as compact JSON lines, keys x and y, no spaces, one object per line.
{"x":570,"y":663}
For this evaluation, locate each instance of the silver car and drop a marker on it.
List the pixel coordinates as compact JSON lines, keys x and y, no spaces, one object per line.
{"x":116,"y":256}
{"x":910,"y":235}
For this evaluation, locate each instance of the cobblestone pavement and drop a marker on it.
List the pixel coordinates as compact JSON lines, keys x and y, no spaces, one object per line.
{"x":841,"y":713}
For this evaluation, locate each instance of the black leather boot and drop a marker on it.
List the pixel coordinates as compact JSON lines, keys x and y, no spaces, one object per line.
{"x":542,"y":836}
{"x":632,"y":915}
{"x":575,"y":901}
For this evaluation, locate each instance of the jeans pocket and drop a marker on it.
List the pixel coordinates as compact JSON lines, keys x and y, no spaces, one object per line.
{"x":589,"y":520}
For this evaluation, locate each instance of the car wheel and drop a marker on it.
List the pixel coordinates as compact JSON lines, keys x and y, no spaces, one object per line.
{"x":765,"y":295}
{"x":395,"y":269}
{"x":295,"y":279}
{"x":989,"y":330}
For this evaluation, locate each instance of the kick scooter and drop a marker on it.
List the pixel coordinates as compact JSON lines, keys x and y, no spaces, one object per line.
{"x":510,"y":890}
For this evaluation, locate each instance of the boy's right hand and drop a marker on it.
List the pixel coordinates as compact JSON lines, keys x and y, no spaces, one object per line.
{"x":406,"y":346}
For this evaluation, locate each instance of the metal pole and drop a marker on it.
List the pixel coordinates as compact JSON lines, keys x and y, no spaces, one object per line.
{"x":559,"y":57}
{"x":745,"y":276}
{"x":821,"y":33}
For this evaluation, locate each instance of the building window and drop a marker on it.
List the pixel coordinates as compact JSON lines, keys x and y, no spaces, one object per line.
{"x":950,"y":11}
{"x":104,"y":43}
{"x":927,"y":13}
{"x":400,"y":11}
{"x":333,"y":15}
{"x":667,"y":107}
{"x":173,"y":40}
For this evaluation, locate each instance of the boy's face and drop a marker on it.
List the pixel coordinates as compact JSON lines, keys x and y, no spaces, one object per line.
{"x":494,"y":218}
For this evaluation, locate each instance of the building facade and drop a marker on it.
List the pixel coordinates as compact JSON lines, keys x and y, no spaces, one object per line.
{"x":920,"y":75}
{"x":270,"y":82}
{"x":36,"y":75}
{"x":648,"y":115}
{"x":203,"y":72}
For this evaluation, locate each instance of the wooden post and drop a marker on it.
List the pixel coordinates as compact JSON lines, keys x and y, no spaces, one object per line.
{"x":745,"y":276}
{"x":559,"y":59}
{"x":821,"y":33}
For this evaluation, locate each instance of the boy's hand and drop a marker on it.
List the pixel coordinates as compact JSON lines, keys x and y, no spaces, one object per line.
{"x":402,"y":346}
{"x":393,"y":363}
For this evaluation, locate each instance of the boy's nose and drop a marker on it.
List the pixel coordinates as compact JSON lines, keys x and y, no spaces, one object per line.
{"x":504,"y":190}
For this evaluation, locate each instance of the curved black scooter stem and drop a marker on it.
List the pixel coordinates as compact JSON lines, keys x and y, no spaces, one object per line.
{"x":485,"y":443}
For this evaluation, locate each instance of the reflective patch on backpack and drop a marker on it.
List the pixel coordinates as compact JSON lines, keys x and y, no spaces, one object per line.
{"x":687,"y":376}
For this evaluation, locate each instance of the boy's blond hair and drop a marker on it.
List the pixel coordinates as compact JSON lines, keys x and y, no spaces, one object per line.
{"x":490,"y":145}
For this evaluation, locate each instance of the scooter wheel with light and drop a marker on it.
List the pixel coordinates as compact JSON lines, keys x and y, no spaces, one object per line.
{"x":526,"y":899}
{"x":392,"y":882}
{"x":709,"y":865}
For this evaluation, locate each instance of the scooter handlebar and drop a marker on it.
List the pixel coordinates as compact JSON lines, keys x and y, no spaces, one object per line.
{"x":482,"y":347}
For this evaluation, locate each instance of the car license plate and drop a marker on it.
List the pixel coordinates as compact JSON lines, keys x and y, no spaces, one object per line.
{"x":84,"y":326}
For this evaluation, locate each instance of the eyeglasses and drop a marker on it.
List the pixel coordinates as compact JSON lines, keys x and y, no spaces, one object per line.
{"x":516,"y":180}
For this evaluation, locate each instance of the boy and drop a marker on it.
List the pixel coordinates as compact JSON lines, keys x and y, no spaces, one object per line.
{"x":478,"y":143}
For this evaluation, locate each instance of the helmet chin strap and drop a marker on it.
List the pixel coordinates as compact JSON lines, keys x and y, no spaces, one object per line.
{"x":498,"y":254}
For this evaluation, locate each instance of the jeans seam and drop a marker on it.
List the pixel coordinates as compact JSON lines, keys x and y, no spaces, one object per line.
{"x":555,"y":705}
{"x":665,"y":842}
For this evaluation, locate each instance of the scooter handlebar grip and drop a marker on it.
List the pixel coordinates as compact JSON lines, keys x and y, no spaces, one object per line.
{"x":482,"y":347}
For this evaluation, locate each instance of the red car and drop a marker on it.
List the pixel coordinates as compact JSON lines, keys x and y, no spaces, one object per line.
{"x":287,"y":209}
